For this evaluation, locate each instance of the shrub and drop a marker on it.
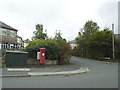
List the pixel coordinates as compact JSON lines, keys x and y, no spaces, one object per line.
{"x":65,"y":50}
{"x":52,"y":48}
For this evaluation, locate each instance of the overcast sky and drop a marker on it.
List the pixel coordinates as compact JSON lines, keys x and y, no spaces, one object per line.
{"x":65,"y":15}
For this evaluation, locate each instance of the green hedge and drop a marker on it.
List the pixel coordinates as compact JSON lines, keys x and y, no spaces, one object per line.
{"x":52,"y":48}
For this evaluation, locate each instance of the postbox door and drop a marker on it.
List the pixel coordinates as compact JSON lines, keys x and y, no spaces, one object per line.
{"x":42,"y":57}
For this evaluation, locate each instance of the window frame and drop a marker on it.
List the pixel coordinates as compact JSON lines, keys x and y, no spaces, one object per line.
{"x":12,"y":33}
{"x":3,"y":31}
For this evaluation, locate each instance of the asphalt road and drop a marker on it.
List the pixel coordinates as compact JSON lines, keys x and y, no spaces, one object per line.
{"x":101,"y":75}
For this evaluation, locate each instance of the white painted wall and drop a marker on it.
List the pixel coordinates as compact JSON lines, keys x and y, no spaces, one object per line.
{"x":0,"y":45}
{"x":73,"y":45}
{"x":25,"y":44}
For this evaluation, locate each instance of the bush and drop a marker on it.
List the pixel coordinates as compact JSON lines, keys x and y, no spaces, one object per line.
{"x":52,"y":48}
{"x":65,"y":50}
{"x":101,"y":58}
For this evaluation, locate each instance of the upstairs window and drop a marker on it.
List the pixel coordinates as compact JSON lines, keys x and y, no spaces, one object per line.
{"x":3,"y":32}
{"x":12,"y":33}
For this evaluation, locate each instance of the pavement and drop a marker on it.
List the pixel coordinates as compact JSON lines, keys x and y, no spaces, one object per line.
{"x":47,"y":71}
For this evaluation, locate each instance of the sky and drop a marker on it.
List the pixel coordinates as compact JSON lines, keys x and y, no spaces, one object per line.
{"x":68,"y":16}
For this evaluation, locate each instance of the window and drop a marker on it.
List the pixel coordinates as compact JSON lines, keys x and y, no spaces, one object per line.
{"x":0,"y":31}
{"x":12,"y":33}
{"x":3,"y":32}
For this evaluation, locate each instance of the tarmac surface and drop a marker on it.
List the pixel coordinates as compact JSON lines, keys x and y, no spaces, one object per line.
{"x":101,"y":75}
{"x":54,"y":68}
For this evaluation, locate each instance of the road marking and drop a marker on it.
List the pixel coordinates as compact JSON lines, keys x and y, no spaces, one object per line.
{"x":18,"y":69}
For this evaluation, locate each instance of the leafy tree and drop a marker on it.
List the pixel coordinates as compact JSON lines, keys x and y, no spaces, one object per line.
{"x":58,"y":36}
{"x":83,"y":36}
{"x":38,"y":34}
{"x":97,"y":46}
{"x":64,"y":46}
{"x":100,"y":44}
{"x":89,"y":28}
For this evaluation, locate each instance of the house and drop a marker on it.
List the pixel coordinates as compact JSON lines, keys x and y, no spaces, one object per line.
{"x":8,"y":37}
{"x":20,"y":42}
{"x":26,"y":42}
{"x":72,"y":44}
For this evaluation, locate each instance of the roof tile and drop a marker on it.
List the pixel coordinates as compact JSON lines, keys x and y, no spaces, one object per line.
{"x":9,"y":41}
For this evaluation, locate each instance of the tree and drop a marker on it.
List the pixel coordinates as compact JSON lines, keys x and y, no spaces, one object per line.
{"x":38,"y":34}
{"x":95,"y":44}
{"x":89,"y":28}
{"x":100,"y":44}
{"x":83,"y":36}
{"x":64,"y":46}
{"x":58,"y":36}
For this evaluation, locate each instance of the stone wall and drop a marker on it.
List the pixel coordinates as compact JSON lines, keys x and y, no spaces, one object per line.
{"x":37,"y":62}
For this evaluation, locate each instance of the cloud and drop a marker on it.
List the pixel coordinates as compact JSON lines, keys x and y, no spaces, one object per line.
{"x":27,"y":13}
{"x":108,"y":13}
{"x":119,"y":17}
{"x":65,"y":15}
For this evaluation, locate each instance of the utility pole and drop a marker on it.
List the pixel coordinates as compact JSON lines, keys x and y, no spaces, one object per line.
{"x":113,"y":41}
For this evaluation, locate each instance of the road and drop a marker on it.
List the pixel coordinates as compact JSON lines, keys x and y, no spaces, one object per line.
{"x":101,"y":75}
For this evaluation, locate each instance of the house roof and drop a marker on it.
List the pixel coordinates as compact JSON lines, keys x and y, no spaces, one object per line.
{"x":20,"y":38}
{"x":26,"y":41}
{"x":3,"y":25}
{"x":9,"y":41}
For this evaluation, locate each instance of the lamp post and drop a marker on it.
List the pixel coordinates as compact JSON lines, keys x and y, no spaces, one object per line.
{"x":113,"y":41}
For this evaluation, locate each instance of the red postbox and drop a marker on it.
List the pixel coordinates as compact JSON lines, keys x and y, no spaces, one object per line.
{"x":42,"y":55}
